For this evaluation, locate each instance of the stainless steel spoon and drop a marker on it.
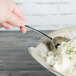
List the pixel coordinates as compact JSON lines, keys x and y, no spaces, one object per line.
{"x":52,"y":43}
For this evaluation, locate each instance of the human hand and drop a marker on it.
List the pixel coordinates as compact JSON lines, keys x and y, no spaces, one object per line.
{"x":11,"y":15}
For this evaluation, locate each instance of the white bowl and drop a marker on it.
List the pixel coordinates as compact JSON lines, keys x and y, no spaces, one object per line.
{"x":69,"y":32}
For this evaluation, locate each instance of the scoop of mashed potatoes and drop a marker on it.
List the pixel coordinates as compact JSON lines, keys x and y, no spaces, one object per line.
{"x":64,"y":60}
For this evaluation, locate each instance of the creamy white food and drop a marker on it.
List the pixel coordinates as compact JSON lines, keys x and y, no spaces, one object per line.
{"x":64,"y":59}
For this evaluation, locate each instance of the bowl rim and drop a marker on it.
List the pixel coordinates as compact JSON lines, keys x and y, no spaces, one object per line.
{"x":54,"y":32}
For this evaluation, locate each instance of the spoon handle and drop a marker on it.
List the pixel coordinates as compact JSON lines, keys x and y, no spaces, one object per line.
{"x":38,"y":31}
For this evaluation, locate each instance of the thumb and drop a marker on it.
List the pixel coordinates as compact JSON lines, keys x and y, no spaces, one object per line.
{"x":15,"y":20}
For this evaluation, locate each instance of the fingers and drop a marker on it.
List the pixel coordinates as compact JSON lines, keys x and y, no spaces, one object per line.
{"x":23,"y":29}
{"x":15,"y":20}
{"x":18,"y":12}
{"x":7,"y":25}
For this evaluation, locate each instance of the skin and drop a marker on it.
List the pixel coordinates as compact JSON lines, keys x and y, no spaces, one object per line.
{"x":11,"y":15}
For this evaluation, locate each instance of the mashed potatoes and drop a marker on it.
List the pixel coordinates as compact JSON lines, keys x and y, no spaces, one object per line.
{"x":64,"y":59}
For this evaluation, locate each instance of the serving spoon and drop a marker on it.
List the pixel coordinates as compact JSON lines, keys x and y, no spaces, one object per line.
{"x":52,"y":43}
